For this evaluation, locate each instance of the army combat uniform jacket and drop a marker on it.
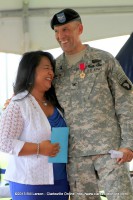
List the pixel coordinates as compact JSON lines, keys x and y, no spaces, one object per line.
{"x":99,"y":107}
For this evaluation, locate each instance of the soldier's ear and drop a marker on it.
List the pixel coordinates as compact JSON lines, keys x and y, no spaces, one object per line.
{"x":80,"y":28}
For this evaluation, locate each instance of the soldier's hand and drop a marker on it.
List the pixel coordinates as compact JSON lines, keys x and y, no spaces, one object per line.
{"x":6,"y":103}
{"x":127,"y":155}
{"x":49,"y":149}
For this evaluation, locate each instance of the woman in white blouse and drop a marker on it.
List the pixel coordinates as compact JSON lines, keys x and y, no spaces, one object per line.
{"x":25,"y":130}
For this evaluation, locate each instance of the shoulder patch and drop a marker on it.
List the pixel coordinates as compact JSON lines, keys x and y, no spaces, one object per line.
{"x":123,"y":80}
{"x":126,"y":85}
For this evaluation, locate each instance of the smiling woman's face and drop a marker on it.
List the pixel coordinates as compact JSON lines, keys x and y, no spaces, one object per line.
{"x":44,"y":75}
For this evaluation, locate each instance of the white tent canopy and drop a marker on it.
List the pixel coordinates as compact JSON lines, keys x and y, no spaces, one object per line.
{"x":25,"y":24}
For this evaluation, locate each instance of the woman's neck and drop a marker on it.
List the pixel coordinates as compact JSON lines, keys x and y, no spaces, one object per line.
{"x":38,"y":95}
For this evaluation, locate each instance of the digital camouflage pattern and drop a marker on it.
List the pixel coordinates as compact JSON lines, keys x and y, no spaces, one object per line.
{"x":98,"y":108}
{"x":99,"y":112}
{"x":113,"y":178}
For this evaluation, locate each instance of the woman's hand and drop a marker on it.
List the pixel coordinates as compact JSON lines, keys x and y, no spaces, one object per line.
{"x":49,"y":149}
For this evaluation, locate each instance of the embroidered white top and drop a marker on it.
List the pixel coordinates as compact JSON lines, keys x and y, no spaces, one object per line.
{"x":24,"y":121}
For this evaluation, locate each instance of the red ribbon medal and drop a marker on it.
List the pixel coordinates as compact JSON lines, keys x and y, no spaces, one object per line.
{"x":82,"y":68}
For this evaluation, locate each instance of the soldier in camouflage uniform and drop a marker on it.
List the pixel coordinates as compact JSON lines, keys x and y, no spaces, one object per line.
{"x":98,"y":101}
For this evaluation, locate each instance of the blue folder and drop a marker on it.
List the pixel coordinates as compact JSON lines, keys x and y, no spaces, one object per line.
{"x":60,"y":135}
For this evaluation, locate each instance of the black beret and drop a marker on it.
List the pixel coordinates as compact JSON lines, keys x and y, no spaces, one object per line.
{"x":65,"y":16}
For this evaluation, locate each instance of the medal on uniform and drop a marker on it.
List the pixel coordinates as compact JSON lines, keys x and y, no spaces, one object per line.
{"x":82,"y":68}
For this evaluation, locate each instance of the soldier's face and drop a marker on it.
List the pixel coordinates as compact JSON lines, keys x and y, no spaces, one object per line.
{"x":68,"y":36}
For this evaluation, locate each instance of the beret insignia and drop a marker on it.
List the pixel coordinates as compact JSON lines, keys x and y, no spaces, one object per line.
{"x":61,"y":17}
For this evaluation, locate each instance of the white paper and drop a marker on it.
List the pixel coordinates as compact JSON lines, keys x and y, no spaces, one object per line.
{"x":116,"y":154}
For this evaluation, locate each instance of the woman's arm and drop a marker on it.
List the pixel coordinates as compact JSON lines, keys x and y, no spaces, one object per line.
{"x":44,"y":148}
{"x":11,"y":128}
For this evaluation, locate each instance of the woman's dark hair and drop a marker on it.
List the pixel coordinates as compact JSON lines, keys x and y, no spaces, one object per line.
{"x":26,"y":75}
